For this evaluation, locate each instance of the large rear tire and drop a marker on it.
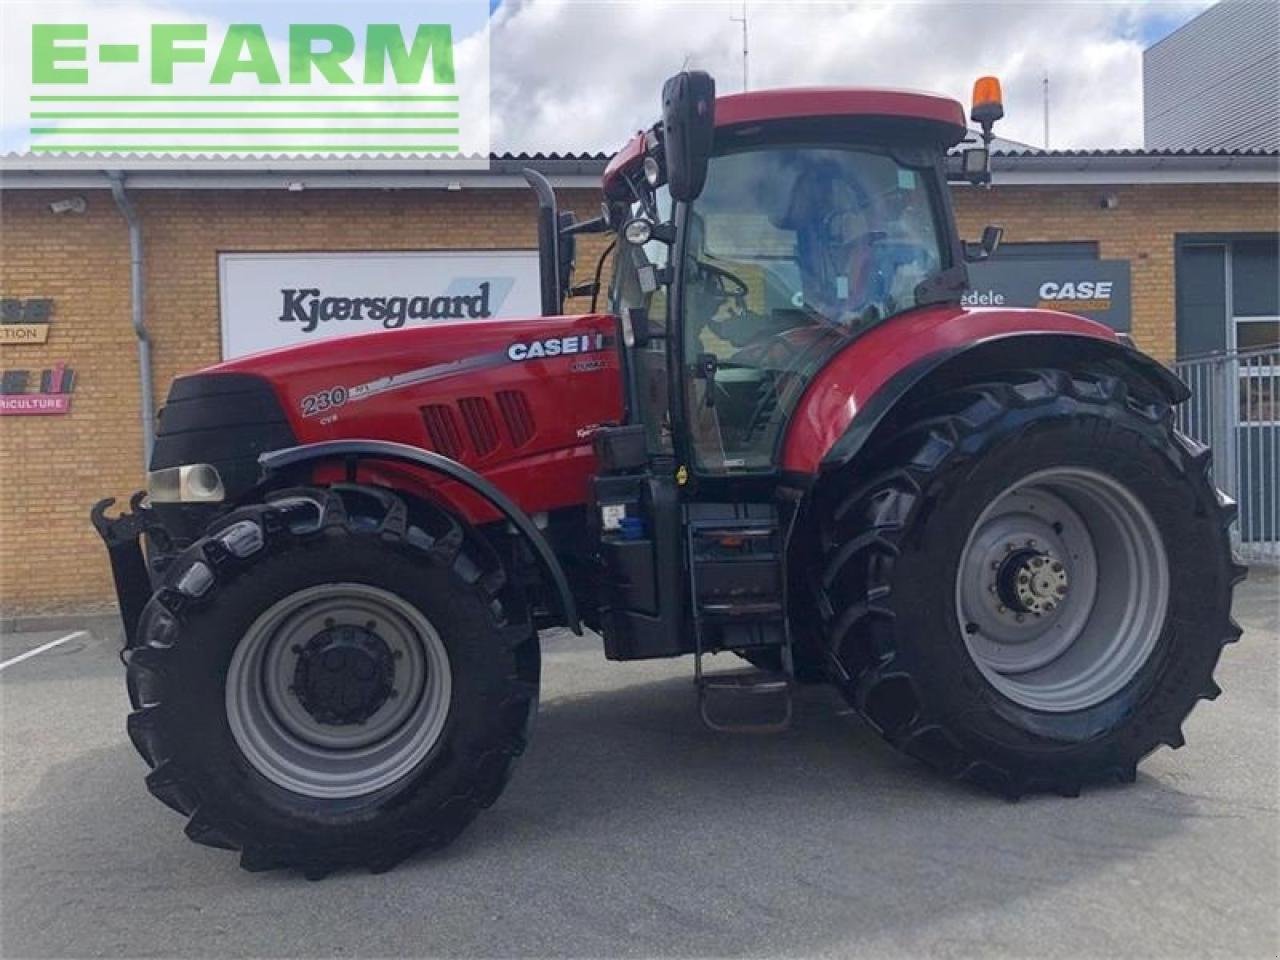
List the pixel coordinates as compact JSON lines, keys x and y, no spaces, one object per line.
{"x":332,"y":679}
{"x":1034,"y":587}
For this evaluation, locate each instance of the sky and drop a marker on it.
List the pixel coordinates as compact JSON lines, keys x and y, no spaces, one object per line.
{"x":582,"y":75}
{"x":576,"y":74}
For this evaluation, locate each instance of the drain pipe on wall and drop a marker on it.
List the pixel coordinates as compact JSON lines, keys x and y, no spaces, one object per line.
{"x":139,"y":325}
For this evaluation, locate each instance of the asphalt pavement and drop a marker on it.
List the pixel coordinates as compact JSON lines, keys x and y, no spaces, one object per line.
{"x":631,"y":831}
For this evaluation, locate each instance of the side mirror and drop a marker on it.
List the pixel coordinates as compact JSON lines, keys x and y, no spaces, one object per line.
{"x":688,"y":128}
{"x":988,"y":245}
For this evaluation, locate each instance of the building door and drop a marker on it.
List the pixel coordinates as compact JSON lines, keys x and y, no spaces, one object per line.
{"x":1228,"y":343}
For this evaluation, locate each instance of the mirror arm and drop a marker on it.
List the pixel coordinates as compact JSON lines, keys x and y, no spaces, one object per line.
{"x":594,"y":225}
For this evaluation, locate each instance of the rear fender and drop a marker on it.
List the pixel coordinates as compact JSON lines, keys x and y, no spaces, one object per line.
{"x":952,"y":367}
{"x":353,"y":452}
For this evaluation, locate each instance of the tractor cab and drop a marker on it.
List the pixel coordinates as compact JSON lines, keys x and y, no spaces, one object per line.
{"x":754,"y":237}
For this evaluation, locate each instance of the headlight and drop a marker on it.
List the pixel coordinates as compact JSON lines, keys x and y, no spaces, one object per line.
{"x":190,"y":483}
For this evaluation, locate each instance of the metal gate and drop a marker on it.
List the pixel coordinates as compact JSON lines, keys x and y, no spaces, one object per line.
{"x":1235,"y":408}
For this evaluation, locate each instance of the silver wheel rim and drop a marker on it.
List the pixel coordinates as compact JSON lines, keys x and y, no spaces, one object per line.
{"x":1062,"y":589}
{"x":292,"y":741}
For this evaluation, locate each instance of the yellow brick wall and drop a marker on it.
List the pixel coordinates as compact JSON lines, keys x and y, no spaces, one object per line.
{"x":53,"y":467}
{"x":1141,"y":229}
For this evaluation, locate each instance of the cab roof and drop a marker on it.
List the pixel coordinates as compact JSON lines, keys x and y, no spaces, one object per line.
{"x":945,"y":115}
{"x":796,"y":103}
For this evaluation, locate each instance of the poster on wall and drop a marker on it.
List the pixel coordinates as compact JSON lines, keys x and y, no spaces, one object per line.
{"x":25,"y":319}
{"x":1097,"y":289}
{"x":279,"y":299}
{"x":27,"y":393}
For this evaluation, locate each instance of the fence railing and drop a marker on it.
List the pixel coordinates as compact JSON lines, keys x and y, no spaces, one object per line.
{"x":1235,"y":408}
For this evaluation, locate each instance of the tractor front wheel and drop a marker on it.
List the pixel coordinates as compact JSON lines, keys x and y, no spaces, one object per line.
{"x":1034,"y":589}
{"x":332,"y":678}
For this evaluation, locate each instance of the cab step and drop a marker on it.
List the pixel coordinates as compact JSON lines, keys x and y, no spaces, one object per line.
{"x":750,"y":702}
{"x":737,"y":587}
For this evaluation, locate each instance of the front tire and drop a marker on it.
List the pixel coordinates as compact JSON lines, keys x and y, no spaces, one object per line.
{"x":1034,"y":588}
{"x":332,"y":679}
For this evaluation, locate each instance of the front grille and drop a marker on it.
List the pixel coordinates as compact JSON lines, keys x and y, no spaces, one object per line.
{"x":517,"y":416}
{"x":442,"y":428}
{"x":480,"y":426}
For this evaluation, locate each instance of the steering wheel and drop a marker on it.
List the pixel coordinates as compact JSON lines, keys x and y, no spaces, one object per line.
{"x":729,"y":283}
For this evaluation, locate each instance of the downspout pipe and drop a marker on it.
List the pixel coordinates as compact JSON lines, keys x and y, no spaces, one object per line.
{"x":140,"y":331}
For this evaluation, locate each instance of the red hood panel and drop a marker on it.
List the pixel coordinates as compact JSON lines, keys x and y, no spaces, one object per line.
{"x":515,"y":400}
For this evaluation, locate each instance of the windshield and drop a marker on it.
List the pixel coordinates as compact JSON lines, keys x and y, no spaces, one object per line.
{"x":788,"y":254}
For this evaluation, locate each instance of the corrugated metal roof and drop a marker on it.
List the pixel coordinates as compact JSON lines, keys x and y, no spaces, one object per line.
{"x":1019,"y":165}
{"x":558,"y":162}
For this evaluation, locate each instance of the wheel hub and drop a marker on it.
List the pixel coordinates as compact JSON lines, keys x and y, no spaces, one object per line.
{"x":1032,"y":581}
{"x":338,"y":690}
{"x":1061,"y":589}
{"x":344,"y":674}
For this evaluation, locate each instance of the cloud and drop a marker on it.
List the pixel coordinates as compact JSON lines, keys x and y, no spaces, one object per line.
{"x":584,"y":74}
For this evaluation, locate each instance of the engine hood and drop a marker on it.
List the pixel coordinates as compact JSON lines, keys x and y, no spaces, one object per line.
{"x":516,"y":400}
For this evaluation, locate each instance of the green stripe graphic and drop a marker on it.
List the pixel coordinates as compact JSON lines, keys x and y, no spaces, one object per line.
{"x":258,"y":148}
{"x":303,"y":131}
{"x":59,"y":98}
{"x":235,"y":115}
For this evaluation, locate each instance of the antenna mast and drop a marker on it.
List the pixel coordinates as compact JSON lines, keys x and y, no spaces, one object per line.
{"x":1046,"y":109}
{"x":743,"y":20}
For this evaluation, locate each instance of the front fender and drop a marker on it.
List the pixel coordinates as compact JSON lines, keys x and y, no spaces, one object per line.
{"x":351,"y":451}
{"x":858,"y":387}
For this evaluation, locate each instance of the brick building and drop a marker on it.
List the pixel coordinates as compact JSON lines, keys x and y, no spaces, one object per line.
{"x":1159,"y":219}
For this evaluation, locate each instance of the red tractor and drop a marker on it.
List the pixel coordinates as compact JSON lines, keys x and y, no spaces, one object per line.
{"x":786,"y":439}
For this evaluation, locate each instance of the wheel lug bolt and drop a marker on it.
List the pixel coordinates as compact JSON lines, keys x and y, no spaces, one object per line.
{"x":1020,"y":618}
{"x":1002,"y":608}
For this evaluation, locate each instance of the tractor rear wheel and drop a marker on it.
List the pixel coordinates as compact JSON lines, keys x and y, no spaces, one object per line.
{"x":329,"y":680}
{"x":1034,"y":588}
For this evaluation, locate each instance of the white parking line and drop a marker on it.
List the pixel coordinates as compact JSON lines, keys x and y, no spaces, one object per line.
{"x":42,"y":648}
